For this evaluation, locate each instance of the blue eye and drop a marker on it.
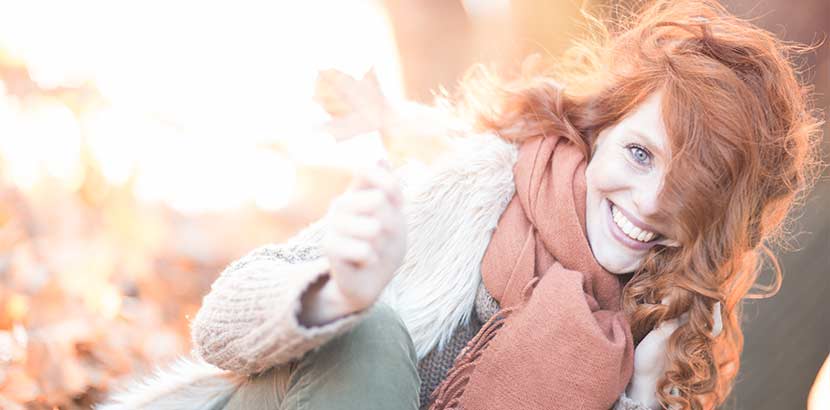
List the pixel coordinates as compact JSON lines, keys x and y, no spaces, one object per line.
{"x":640,"y":154}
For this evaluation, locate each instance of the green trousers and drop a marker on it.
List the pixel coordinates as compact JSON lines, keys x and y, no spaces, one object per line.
{"x":373,"y":366}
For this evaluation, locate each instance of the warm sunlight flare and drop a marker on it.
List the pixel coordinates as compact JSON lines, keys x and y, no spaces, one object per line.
{"x":181,"y":121}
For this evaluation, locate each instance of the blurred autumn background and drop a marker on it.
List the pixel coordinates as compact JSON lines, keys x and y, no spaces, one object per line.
{"x":144,"y":145}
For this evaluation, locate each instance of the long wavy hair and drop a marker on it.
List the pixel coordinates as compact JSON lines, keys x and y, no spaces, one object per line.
{"x":743,"y":137}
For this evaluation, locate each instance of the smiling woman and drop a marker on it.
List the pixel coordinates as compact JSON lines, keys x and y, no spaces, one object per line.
{"x":703,"y":137}
{"x":624,"y":177}
{"x":622,"y":198}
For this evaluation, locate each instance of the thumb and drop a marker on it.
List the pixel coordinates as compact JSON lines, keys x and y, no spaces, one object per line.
{"x":665,"y":329}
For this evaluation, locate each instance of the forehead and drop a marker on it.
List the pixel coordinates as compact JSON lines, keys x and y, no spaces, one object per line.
{"x":646,"y":123}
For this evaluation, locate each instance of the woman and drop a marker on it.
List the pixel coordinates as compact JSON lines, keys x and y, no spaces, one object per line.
{"x":641,"y":177}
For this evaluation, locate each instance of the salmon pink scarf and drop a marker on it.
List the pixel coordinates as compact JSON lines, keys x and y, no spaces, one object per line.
{"x":560,"y":340}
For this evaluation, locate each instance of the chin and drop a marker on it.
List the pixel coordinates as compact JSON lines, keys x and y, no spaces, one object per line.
{"x":615,"y":262}
{"x":611,"y":256}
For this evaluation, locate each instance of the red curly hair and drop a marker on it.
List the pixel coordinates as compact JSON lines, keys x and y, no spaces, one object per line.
{"x":744,"y":150}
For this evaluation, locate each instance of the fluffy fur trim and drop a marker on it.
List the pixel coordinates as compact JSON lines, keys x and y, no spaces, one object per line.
{"x":452,"y":208}
{"x":188,"y":384}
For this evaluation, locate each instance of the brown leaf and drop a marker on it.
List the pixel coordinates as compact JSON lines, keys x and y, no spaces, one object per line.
{"x":356,"y":105}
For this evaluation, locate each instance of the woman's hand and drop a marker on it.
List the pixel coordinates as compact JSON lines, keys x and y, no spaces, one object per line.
{"x":650,"y":358}
{"x":650,"y":364}
{"x":366,"y":238}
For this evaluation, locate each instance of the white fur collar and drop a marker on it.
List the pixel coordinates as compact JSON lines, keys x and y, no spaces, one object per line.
{"x":452,"y":208}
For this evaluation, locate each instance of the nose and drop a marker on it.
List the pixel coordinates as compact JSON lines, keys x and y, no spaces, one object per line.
{"x":646,"y":198}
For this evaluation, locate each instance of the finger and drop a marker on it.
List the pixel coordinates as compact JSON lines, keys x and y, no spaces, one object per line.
{"x":396,"y":196}
{"x":378,"y":177}
{"x":349,"y":249}
{"x":366,"y":201}
{"x":717,"y":325}
{"x":373,"y":176}
{"x":390,"y":218}
{"x":394,"y":192}
{"x":357,"y":226}
{"x":665,"y":329}
{"x":342,"y":266}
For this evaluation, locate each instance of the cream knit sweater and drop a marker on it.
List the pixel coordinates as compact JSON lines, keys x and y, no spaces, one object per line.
{"x":248,"y":321}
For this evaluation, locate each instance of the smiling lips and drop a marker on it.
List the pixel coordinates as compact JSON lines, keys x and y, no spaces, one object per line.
{"x":633,"y":231}
{"x":635,"y":234}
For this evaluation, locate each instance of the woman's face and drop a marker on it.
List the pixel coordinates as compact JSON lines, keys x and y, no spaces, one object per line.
{"x":623,"y":179}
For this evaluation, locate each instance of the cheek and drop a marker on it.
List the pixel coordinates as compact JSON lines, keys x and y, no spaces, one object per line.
{"x":605,"y":174}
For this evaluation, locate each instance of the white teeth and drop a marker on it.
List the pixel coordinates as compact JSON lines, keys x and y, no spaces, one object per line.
{"x":630,"y":230}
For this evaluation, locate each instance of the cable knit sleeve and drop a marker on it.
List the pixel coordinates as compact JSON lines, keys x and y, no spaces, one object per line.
{"x":248,"y":321}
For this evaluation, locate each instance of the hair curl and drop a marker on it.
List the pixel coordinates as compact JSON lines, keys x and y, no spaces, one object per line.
{"x":744,"y":142}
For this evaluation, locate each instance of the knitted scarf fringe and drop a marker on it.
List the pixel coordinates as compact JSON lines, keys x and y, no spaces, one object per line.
{"x":448,"y":395}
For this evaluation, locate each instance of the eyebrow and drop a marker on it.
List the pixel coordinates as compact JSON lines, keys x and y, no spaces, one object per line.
{"x":649,"y":141}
